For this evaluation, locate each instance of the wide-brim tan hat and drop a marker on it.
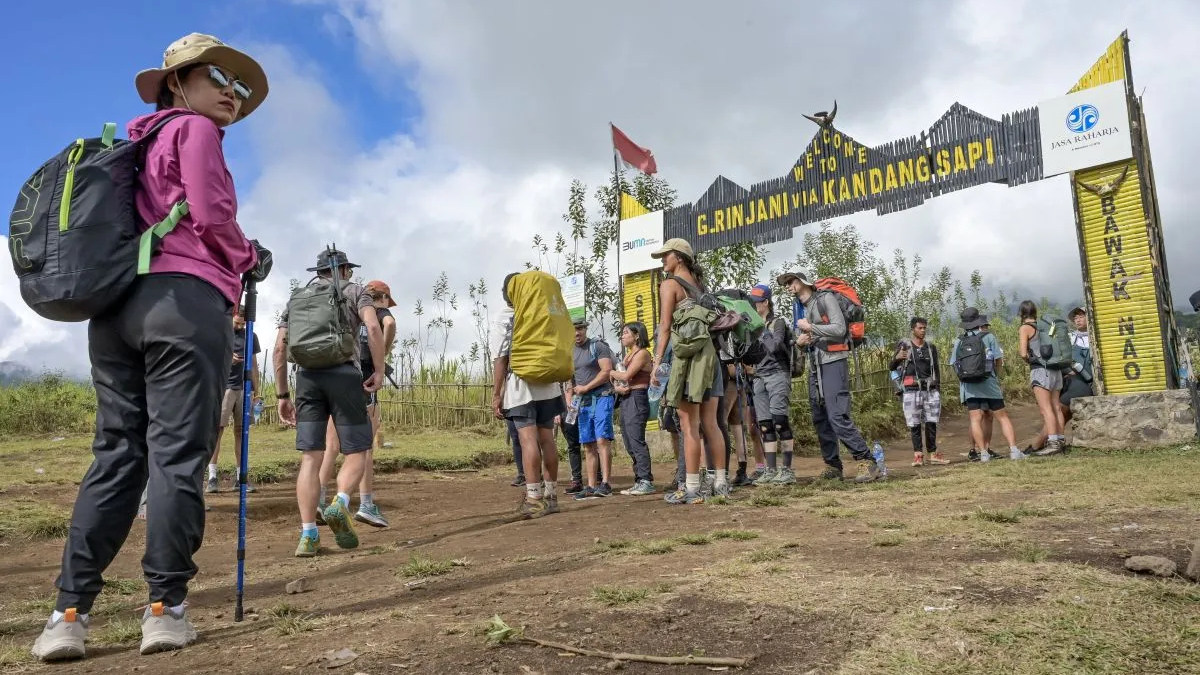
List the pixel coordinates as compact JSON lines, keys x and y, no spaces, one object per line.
{"x":677,"y":245}
{"x":201,"y":48}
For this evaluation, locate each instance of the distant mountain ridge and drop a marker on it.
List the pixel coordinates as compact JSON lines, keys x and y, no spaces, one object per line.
{"x":12,"y":372}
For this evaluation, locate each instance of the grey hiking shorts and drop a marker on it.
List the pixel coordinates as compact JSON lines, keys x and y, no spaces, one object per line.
{"x":1050,"y":380}
{"x":332,"y":392}
{"x":771,"y":394}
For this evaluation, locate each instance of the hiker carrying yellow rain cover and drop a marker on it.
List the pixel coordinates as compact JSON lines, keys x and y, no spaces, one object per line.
{"x":543,"y":336}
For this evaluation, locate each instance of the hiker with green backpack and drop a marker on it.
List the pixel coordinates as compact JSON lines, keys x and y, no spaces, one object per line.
{"x":140,"y":237}
{"x":1045,"y":344}
{"x":318,"y":331}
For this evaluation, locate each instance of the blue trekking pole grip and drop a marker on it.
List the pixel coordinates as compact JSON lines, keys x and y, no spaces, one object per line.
{"x":251,"y":310}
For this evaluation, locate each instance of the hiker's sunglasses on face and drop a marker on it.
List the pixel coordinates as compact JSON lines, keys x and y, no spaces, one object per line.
{"x":219,"y":78}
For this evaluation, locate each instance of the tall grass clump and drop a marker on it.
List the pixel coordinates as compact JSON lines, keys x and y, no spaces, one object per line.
{"x":50,"y":404}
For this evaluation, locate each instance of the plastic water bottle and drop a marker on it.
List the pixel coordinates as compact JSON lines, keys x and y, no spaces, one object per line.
{"x":258,"y":410}
{"x":572,"y":413}
{"x":877,"y":451}
{"x":663,"y":373}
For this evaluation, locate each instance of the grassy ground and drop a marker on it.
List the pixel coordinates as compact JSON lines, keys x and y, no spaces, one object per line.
{"x":62,"y":460}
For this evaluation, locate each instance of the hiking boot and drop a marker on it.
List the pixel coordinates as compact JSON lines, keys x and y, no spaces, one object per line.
{"x":832,"y":473}
{"x":1053,"y":447}
{"x":918,"y":459}
{"x":339,"y":520}
{"x":722,"y":490}
{"x":585,"y":493}
{"x":164,"y":630}
{"x":684,"y":497}
{"x":742,"y":480}
{"x":868,"y":471}
{"x":973,"y":455}
{"x":1014,"y":453}
{"x":576,"y":487}
{"x":784,"y":476}
{"x":532,"y":508}
{"x":936,"y":458}
{"x":551,"y":504}
{"x":519,"y":481}
{"x":603,"y":490}
{"x":62,"y":639}
{"x":641,"y":488}
{"x":308,"y":546}
{"x":766,"y":477}
{"x":370,"y":515}
{"x":210,"y":486}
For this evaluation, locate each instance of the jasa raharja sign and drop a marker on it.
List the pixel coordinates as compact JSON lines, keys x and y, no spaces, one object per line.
{"x":1085,"y":129}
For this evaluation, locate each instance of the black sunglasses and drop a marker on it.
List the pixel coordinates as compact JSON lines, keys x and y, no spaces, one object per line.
{"x":219,"y":78}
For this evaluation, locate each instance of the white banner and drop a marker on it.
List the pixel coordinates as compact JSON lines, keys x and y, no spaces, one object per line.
{"x":574,"y":296}
{"x":1085,"y":129}
{"x":640,"y":236}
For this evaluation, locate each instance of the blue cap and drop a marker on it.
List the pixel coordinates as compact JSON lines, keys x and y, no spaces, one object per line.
{"x":760,"y":293}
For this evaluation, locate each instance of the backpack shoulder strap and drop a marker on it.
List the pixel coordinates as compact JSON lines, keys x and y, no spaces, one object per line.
{"x":688,"y":287}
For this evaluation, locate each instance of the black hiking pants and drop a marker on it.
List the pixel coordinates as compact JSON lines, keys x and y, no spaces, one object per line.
{"x":159,"y":364}
{"x":831,"y":416}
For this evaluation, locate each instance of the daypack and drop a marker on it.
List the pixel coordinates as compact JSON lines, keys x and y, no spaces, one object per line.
{"x":1051,"y":346}
{"x":74,"y":234}
{"x":852,"y":311}
{"x":735,"y":325}
{"x":970,"y":359}
{"x":742,"y":341}
{"x":543,"y":339}
{"x":320,"y":331}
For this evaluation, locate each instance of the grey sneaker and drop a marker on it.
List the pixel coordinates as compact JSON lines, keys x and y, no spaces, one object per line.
{"x":370,"y":515}
{"x":1052,"y":448}
{"x":210,"y":487}
{"x":758,"y":473}
{"x":164,"y":630}
{"x":767,"y":477}
{"x":63,"y":639}
{"x":642,"y":487}
{"x":784,"y":476}
{"x":722,"y":490}
{"x":685,"y":497}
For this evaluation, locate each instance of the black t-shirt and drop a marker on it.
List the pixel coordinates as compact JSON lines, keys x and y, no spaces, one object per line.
{"x":236,"y":373}
{"x":364,"y":345}
{"x":922,"y":361}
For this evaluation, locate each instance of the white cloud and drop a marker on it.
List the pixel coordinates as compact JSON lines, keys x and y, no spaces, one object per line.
{"x":515,"y":104}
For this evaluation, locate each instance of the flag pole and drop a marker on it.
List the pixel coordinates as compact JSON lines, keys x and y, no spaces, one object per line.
{"x":617,"y":212}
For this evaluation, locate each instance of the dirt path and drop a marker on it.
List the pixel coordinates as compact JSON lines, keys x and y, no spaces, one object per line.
{"x":539,"y":572}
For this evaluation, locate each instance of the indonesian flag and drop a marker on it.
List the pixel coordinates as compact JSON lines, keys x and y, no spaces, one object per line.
{"x":633,"y":154}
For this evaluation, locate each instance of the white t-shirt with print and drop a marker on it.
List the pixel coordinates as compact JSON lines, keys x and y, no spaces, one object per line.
{"x":516,"y":391}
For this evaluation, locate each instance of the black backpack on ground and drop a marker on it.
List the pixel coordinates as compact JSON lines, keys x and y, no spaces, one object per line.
{"x":74,"y":234}
{"x":970,"y":360}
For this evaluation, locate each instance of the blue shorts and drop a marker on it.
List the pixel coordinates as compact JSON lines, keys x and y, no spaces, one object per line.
{"x":596,"y":420}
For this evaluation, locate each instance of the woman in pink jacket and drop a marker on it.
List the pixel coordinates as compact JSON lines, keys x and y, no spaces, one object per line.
{"x":161,"y":357}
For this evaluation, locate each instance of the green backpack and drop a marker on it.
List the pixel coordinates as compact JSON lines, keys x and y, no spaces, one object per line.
{"x":319,"y":325}
{"x":1051,"y":346}
{"x":735,"y":325}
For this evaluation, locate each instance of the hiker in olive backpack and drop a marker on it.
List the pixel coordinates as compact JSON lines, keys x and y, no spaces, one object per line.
{"x":160,"y":355}
{"x":1045,"y":377}
{"x":319,"y":332}
{"x":919,"y":376}
{"x":827,"y":336}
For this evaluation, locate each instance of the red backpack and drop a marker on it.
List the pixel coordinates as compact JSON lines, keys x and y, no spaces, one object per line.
{"x":852,"y":310}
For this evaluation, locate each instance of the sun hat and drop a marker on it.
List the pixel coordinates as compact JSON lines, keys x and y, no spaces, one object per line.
{"x":787,"y":278}
{"x":339,"y":258}
{"x":677,"y":245}
{"x":972,"y":319}
{"x":201,"y":48}
{"x":380,"y":286}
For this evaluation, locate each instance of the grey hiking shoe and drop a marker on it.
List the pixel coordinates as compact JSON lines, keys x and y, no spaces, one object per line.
{"x":784,"y":476}
{"x":685,"y":497}
{"x":1054,"y":447}
{"x":832,"y":473}
{"x":210,"y":486}
{"x":164,"y":630}
{"x":640,"y":488}
{"x":767,"y":477}
{"x":63,"y":639}
{"x":868,"y":471}
{"x":723,"y":490}
{"x":339,"y":520}
{"x":370,"y":515}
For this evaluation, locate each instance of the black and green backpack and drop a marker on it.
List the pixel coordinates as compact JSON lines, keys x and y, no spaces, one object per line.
{"x":75,"y":236}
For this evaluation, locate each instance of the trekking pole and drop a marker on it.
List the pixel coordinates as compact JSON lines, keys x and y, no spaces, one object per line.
{"x":250,"y":305}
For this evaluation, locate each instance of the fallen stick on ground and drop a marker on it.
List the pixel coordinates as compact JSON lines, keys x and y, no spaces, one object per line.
{"x":499,"y":633}
{"x":644,"y":658}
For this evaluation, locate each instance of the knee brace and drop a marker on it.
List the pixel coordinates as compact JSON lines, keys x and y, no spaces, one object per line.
{"x":784,"y":426}
{"x":767,"y":428}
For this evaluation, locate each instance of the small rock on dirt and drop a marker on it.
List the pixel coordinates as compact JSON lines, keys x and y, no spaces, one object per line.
{"x":301,"y":585}
{"x":336,"y":659}
{"x":1193,"y":568}
{"x":615,"y":665}
{"x":588,"y":631}
{"x":1153,"y":564}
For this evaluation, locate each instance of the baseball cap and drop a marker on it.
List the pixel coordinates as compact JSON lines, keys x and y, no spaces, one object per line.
{"x":677,"y":245}
{"x":378,"y":285}
{"x":760,"y":293}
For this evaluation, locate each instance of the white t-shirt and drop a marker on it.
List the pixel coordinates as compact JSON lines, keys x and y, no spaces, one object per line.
{"x":516,"y":391}
{"x":1081,"y":339}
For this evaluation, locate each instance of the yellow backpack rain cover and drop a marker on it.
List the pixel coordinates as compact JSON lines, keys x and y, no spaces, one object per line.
{"x":543,"y":336}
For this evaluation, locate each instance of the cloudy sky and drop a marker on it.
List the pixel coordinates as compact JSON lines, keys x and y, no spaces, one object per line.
{"x":430,"y":136}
